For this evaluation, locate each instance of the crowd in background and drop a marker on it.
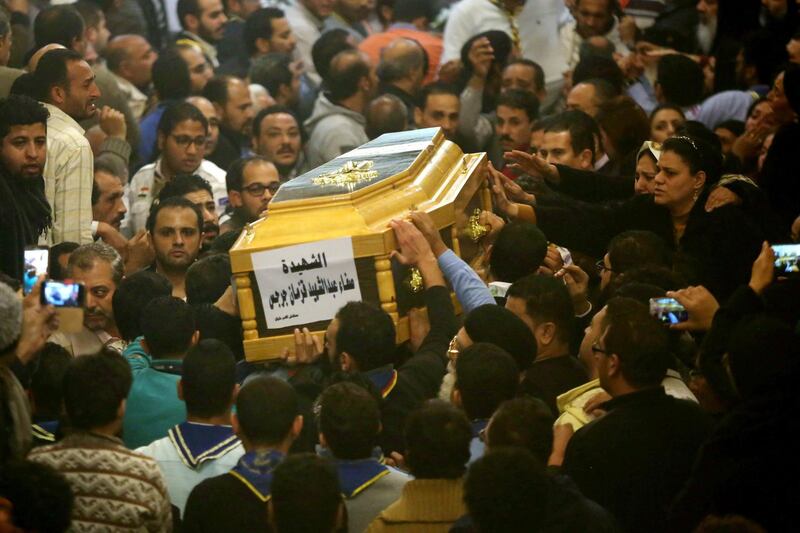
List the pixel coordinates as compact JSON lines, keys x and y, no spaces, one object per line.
{"x":638,"y":150}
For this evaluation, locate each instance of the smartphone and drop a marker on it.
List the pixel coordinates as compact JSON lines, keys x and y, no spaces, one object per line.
{"x":35,"y":265}
{"x":787,"y":259}
{"x":668,"y":310}
{"x":62,"y":294}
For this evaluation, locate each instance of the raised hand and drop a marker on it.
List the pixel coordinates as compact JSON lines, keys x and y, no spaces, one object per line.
{"x":533,"y":165}
{"x":501,"y":201}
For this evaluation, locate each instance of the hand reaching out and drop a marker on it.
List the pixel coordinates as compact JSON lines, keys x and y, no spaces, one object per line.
{"x":501,"y":201}
{"x":414,"y":247}
{"x":415,"y":250}
{"x":495,"y":224}
{"x":533,"y":165}
{"x":424,"y":223}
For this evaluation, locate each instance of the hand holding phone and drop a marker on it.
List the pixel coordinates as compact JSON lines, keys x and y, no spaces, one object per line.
{"x":668,"y":311}
{"x":787,"y":259}
{"x":35,"y":265}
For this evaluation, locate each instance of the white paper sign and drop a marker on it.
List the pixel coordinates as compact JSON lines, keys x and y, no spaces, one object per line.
{"x":307,"y":282}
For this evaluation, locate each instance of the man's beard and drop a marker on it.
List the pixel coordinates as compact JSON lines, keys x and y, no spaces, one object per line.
{"x":102,"y":319}
{"x":172,"y":264}
{"x":706,"y":32}
{"x":211,"y":230}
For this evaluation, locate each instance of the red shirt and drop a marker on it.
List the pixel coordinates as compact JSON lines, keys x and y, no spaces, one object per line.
{"x":432,"y":44}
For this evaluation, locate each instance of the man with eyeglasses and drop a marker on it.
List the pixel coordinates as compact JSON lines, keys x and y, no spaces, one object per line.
{"x":252,"y":182}
{"x":182,"y":139}
{"x":634,"y":459}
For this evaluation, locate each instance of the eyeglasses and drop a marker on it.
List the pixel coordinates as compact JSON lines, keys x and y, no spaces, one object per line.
{"x":184,"y":140}
{"x":452,"y":350}
{"x":257,"y":189}
{"x":601,"y":267}
{"x":596,"y":349}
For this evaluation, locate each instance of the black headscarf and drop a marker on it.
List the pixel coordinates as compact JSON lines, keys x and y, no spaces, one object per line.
{"x":24,"y":216}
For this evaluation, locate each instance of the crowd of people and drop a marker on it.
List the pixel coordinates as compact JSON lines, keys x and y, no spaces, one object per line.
{"x":638,"y":150}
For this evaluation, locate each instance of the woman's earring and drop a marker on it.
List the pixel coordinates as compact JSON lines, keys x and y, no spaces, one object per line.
{"x":696,"y":195}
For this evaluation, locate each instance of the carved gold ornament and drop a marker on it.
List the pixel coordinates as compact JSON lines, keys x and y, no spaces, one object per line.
{"x":414,"y":280}
{"x":351,"y":173}
{"x":475,"y":230}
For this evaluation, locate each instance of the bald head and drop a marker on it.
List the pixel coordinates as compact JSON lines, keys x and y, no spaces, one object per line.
{"x":34,"y":60}
{"x":351,"y":74}
{"x":386,"y":114}
{"x":403,"y":62}
{"x":210,"y":112}
{"x":131,"y":57}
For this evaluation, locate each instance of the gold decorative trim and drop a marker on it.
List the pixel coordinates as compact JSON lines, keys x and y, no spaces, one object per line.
{"x":351,"y":173}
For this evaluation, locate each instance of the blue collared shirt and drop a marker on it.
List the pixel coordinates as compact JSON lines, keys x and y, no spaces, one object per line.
{"x":470,"y":289}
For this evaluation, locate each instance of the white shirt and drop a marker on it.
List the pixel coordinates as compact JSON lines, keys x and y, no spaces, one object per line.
{"x":180,"y":478}
{"x":140,"y":193}
{"x":137,"y":100}
{"x":307,"y":29}
{"x":538,"y":29}
{"x":84,"y":342}
{"x":68,"y":178}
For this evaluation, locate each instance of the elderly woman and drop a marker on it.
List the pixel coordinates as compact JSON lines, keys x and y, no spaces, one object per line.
{"x":714,"y":248}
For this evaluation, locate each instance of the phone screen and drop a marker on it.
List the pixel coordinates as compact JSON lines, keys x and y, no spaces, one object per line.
{"x":787,"y":259}
{"x":35,"y":265}
{"x":62,"y":294}
{"x":668,"y":310}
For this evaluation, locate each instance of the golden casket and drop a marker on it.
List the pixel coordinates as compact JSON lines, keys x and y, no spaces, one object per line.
{"x":326,"y":240}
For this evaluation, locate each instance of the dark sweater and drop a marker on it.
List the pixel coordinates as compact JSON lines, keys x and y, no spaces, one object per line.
{"x":635,"y":459}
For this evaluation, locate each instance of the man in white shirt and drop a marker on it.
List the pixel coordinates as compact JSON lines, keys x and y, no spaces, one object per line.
{"x":182,"y":137}
{"x":205,"y":445}
{"x":130,"y":59}
{"x":534,"y":21}
{"x":307,"y":17}
{"x":68,"y":90}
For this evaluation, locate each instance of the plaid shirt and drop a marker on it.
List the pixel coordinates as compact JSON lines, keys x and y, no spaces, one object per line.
{"x":68,"y":178}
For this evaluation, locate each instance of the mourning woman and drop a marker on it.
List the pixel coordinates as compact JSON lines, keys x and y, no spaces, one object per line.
{"x":713,"y":248}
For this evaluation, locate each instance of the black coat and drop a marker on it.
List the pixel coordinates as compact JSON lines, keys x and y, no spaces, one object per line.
{"x":717,"y":249}
{"x":635,"y":459}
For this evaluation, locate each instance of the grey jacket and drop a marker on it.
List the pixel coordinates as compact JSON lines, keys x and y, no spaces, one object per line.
{"x":334,"y":130}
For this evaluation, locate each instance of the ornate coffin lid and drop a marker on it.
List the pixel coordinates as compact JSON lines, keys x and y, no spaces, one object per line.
{"x":416,"y":169}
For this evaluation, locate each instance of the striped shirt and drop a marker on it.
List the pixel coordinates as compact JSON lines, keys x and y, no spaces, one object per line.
{"x":68,"y":178}
{"x":115,"y":489}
